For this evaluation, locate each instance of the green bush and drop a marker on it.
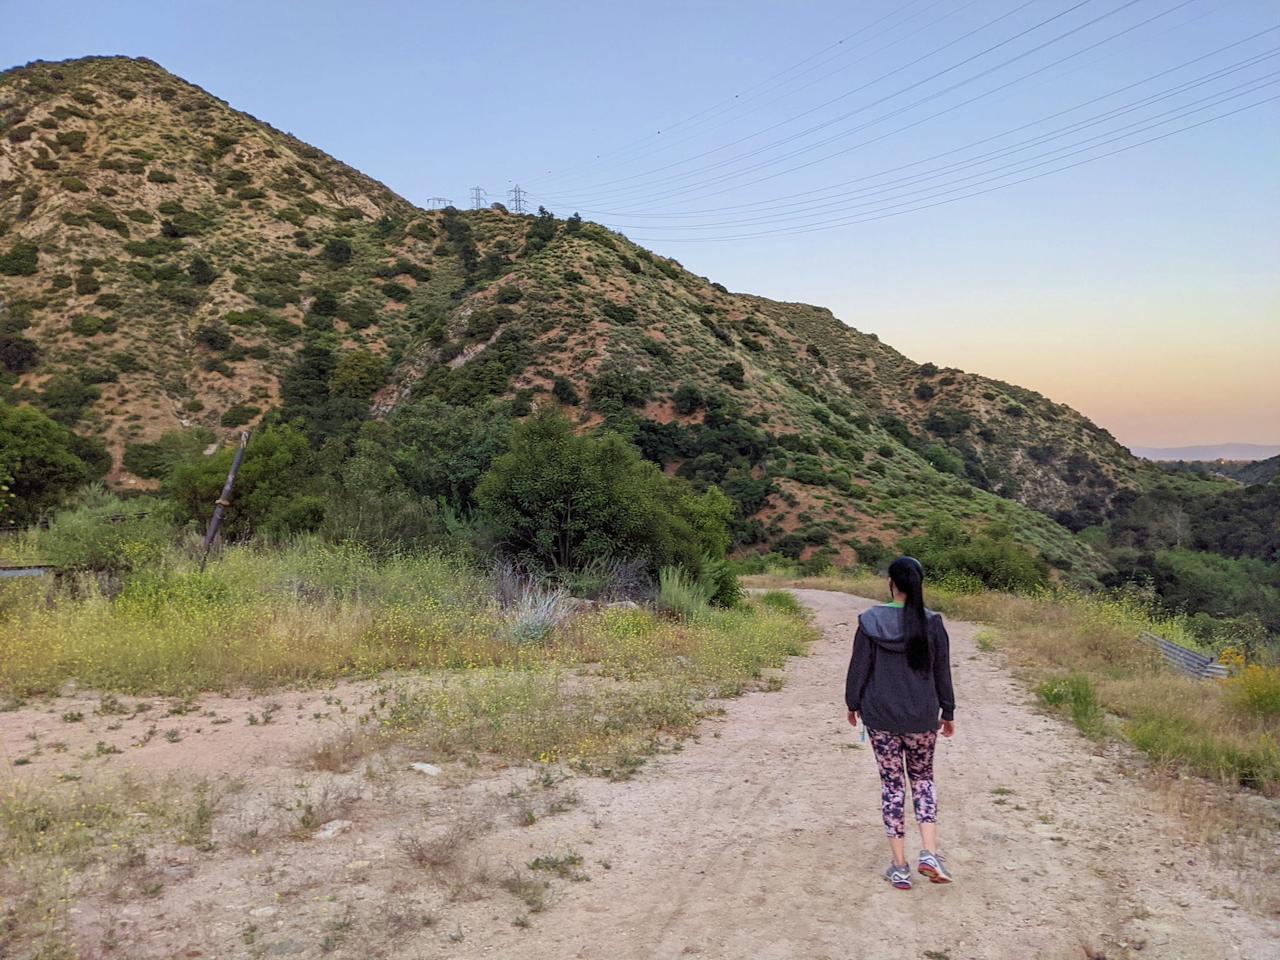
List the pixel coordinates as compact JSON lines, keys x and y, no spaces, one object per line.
{"x":509,"y":294}
{"x":21,"y":260}
{"x":563,"y":390}
{"x":158,"y":460}
{"x":394,"y":290}
{"x":159,"y":176}
{"x":74,"y":185}
{"x":92,"y":538}
{"x":87,"y":283}
{"x":86,"y":326}
{"x":560,"y":501}
{"x":991,"y":555}
{"x":238,"y":414}
{"x":38,"y":464}
{"x":337,"y":251}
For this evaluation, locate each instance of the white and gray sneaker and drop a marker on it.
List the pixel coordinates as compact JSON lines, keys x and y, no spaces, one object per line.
{"x":933,"y":866}
{"x":899,"y":875}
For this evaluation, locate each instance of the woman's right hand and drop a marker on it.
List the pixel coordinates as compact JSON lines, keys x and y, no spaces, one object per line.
{"x":853,"y":718}
{"x":947,"y":727}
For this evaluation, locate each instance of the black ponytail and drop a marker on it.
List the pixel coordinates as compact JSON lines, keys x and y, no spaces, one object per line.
{"x":908,"y":577}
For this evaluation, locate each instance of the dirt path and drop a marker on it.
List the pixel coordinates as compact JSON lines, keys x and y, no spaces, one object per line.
{"x":759,"y":840}
{"x":766,"y":842}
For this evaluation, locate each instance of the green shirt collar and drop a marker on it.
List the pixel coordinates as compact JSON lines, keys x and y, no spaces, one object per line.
{"x":895,"y":604}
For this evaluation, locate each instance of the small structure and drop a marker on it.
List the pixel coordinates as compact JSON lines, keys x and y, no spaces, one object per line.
{"x":1183,"y":660}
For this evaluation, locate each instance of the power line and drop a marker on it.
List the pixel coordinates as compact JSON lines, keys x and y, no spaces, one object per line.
{"x":478,"y":197}
{"x":881,"y":215}
{"x":827,"y":191}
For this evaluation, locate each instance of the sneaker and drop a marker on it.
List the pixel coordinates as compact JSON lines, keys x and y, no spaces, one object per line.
{"x":899,"y":875}
{"x":933,"y":866}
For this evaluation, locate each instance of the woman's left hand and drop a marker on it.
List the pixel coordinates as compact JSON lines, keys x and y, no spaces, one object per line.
{"x":853,"y":718}
{"x":947,"y":727}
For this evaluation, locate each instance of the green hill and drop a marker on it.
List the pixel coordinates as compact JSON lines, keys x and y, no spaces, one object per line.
{"x":169,"y":263}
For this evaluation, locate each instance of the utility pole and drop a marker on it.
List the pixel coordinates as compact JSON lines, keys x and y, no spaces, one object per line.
{"x":516,"y":196}
{"x":477,"y":198}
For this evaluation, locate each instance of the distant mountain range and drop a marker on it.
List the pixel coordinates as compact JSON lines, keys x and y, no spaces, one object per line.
{"x":1216,"y":451}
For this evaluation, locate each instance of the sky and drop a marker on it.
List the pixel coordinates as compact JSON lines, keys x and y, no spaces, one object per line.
{"x":860,"y":156}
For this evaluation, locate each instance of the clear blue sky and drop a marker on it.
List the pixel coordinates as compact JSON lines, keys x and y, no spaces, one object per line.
{"x":1142,"y":288}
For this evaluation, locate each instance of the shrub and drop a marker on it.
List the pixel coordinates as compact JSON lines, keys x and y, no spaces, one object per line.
{"x":396,"y":291}
{"x":732,"y":373}
{"x":89,"y":538}
{"x":928,"y":370}
{"x":109,"y":301}
{"x":687,"y":399}
{"x":87,"y":283}
{"x":74,"y":185}
{"x":925,"y":391}
{"x":239,"y":414}
{"x":337,"y":251}
{"x":21,"y":260}
{"x":358,"y":315}
{"x":618,"y":312}
{"x":153,"y":246}
{"x":681,"y":594}
{"x":73,"y":140}
{"x":201,"y":271}
{"x":157,"y":460}
{"x":86,"y":326}
{"x":159,"y":176}
{"x":215,"y":338}
{"x":1256,"y":690}
{"x":563,"y":390}
{"x":509,"y":294}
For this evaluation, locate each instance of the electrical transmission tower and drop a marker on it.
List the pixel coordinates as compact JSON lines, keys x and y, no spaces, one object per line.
{"x":435,"y":203}
{"x":516,"y":195}
{"x":477,"y":198}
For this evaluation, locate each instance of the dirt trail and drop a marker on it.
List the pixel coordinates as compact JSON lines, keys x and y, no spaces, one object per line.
{"x":766,"y":842}
{"x":759,"y":840}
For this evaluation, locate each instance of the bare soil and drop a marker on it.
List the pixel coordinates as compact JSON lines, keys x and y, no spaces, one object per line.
{"x":760,"y":838}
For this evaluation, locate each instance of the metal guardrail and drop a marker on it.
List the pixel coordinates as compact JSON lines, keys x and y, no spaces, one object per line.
{"x":1186,"y":661}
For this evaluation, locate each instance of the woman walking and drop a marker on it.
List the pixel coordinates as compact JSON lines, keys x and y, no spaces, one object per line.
{"x":899,"y":682}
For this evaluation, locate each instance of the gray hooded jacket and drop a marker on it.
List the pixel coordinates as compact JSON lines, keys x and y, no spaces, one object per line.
{"x":889,"y":694}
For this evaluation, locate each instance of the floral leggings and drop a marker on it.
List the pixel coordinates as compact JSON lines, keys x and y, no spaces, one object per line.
{"x":890,"y":748}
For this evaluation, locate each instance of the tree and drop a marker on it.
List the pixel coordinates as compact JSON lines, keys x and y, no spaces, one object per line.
{"x":277,"y":468}
{"x":443,"y":450}
{"x":561,"y":501}
{"x":357,"y":375}
{"x":37,"y":464}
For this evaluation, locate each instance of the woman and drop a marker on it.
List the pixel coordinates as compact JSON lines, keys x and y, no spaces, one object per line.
{"x":899,"y":680}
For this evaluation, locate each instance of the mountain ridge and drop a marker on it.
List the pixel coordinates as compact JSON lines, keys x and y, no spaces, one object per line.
{"x":168,"y":263}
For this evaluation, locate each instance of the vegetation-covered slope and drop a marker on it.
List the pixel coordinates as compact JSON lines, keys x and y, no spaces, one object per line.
{"x":169,"y":263}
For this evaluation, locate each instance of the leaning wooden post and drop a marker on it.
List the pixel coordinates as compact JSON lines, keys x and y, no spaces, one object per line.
{"x":223,"y":502}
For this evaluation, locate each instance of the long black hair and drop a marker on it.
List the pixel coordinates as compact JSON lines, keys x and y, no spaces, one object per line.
{"x":908,"y":577}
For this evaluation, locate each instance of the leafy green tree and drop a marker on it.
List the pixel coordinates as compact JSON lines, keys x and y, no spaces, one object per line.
{"x":442,"y":451}
{"x":357,"y":375}
{"x":561,"y":501}
{"x":38,"y":465}
{"x":278,"y":466}
{"x":337,"y":251}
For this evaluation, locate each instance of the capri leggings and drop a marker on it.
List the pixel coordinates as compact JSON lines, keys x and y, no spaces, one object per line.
{"x":917,"y":748}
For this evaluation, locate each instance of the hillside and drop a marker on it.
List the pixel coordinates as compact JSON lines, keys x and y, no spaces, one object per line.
{"x":169,"y":263}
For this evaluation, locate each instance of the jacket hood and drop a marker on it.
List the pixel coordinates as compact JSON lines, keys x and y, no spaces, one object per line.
{"x":883,"y":624}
